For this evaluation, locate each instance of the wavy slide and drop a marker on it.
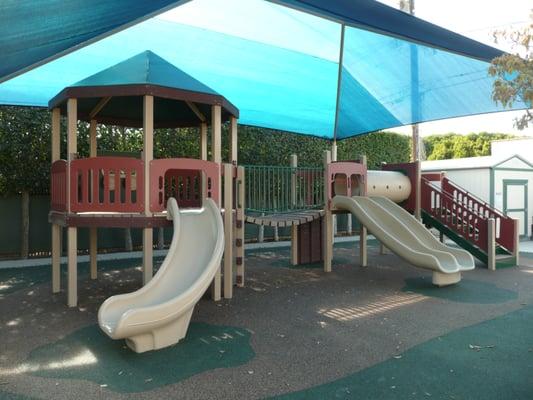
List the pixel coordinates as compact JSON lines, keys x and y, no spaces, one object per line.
{"x":400,"y":232}
{"x":158,"y":314}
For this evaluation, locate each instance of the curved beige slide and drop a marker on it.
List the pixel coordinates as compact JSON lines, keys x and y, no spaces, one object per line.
{"x":407,"y":237}
{"x":158,"y":314}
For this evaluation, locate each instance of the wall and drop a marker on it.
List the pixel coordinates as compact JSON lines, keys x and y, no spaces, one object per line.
{"x":109,"y":239}
{"x":476,"y":181}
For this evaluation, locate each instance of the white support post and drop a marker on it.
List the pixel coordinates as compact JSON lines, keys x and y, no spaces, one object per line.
{"x":516,"y":252}
{"x":148,"y":155}
{"x":363,"y":250}
{"x":418,"y":194}
{"x":240,"y":225}
{"x":491,"y":245}
{"x":228,"y":231}
{"x":93,"y":232}
{"x":56,"y":229}
{"x":294,"y":228}
{"x":72,"y":144}
{"x":328,"y":220}
{"x":216,"y":154}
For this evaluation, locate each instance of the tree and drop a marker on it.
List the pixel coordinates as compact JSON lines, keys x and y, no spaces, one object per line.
{"x":452,"y":145}
{"x":514,"y":72}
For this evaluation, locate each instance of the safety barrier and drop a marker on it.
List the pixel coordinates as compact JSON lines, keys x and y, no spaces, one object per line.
{"x":456,"y":216}
{"x":278,"y":189}
{"x":182,"y":178}
{"x":58,"y":186}
{"x":505,"y":226}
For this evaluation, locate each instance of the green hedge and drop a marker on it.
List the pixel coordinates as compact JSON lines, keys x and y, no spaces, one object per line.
{"x":25,"y":147}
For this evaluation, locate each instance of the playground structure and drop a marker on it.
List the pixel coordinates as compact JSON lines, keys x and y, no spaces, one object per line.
{"x":313,"y":195}
{"x":97,"y":192}
{"x":102,"y":192}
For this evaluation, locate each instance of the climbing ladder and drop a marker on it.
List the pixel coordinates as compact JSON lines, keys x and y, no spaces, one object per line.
{"x":474,"y":225}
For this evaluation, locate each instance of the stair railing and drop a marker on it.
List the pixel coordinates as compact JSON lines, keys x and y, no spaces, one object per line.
{"x":505,"y":226}
{"x":455,"y":215}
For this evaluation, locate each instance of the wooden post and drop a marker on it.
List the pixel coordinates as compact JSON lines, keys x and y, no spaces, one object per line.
{"x":72,"y":144}
{"x":148,"y":155}
{"x":93,"y":233}
{"x":216,"y":155}
{"x":240,"y":225}
{"x":491,"y":245}
{"x":228,"y":231}
{"x":234,"y":147}
{"x":363,"y":251}
{"x":203,"y":141}
{"x":294,"y":228}
{"x":328,"y":220}
{"x":56,"y":229}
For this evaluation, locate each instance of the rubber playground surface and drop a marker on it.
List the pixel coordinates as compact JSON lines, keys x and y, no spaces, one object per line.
{"x":381,"y":332}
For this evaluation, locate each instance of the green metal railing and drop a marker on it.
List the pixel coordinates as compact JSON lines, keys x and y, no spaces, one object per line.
{"x":271,"y":189}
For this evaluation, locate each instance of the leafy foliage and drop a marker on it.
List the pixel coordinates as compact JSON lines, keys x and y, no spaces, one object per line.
{"x":24,"y":150}
{"x":451,"y":145}
{"x":514,"y":72}
{"x":25,"y":147}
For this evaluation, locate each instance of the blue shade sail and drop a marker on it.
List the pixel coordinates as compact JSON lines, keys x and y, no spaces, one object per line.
{"x":34,"y":30}
{"x":280,"y":66}
{"x":412,"y":83}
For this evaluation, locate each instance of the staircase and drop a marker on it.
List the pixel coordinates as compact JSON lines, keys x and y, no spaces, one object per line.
{"x":485,"y":232}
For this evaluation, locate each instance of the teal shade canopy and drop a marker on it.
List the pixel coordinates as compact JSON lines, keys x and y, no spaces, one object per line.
{"x":115,"y":95}
{"x":285,"y":64}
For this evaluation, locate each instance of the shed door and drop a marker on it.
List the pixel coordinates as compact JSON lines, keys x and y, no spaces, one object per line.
{"x":515,"y":202}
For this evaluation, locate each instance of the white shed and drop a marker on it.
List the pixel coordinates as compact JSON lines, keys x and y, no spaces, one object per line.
{"x":503,"y":182}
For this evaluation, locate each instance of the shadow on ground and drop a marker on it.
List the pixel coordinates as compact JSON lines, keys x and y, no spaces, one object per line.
{"x":89,"y":354}
{"x":492,"y":361}
{"x":13,"y":279}
{"x":467,"y":291}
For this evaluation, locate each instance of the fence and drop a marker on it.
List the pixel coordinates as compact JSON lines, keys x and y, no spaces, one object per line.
{"x":109,"y":239}
{"x":275,"y":189}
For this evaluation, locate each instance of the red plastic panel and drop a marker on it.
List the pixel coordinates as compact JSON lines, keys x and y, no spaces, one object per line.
{"x":455,"y":215}
{"x":185,"y":185}
{"x":58,"y":186}
{"x":505,"y":231}
{"x":168,"y":171}
{"x":107,"y":184}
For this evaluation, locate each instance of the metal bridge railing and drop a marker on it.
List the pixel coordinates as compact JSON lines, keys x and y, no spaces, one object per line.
{"x":278,"y":189}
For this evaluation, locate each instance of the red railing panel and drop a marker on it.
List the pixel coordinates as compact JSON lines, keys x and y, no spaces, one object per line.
{"x":107,"y":184}
{"x":182,"y":178}
{"x":58,"y":186}
{"x":505,"y":230}
{"x":455,"y":215}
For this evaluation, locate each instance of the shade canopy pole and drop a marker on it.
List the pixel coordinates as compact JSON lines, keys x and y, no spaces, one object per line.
{"x":93,"y":233}
{"x":148,"y":155}
{"x":339,"y":83}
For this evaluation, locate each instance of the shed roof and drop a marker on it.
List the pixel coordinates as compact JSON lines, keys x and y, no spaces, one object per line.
{"x":468,"y":163}
{"x":180,"y":99}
